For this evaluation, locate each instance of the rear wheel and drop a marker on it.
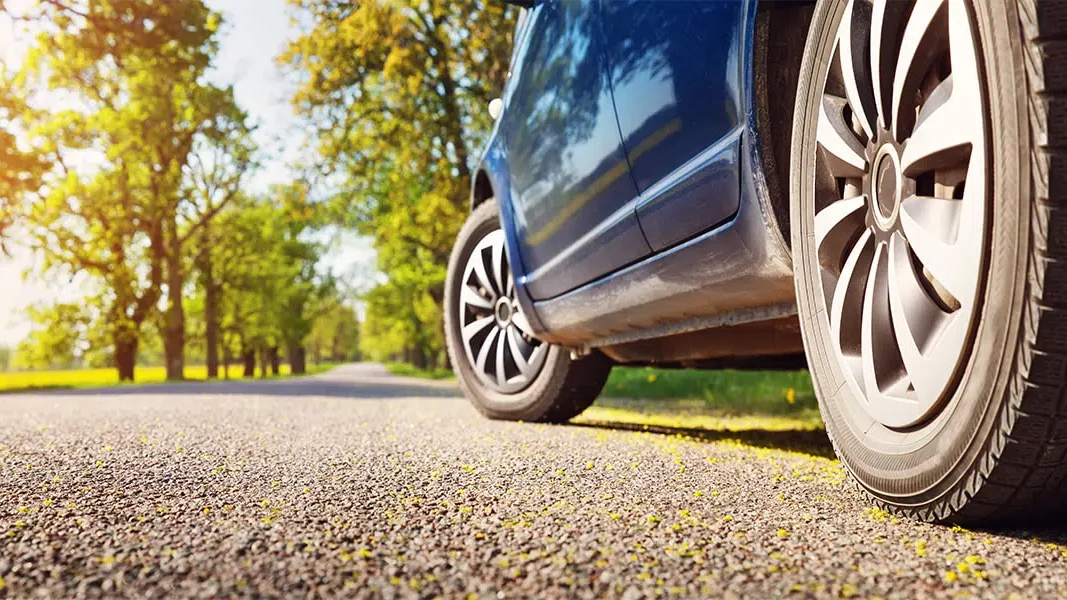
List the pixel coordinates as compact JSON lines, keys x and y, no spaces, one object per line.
{"x":504,"y":370}
{"x":924,"y":239}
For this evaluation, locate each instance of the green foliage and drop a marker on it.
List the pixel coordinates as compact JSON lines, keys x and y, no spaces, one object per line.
{"x":114,"y":101}
{"x":398,"y":94}
{"x":58,"y":339}
{"x":335,"y":333}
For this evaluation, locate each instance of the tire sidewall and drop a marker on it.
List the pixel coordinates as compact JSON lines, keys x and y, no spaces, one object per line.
{"x":531,"y":403}
{"x":919,"y":469}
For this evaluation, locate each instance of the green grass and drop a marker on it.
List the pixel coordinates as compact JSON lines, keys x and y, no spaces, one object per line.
{"x":726,"y":392}
{"x":784,"y":393}
{"x":406,"y":370}
{"x":84,"y":378}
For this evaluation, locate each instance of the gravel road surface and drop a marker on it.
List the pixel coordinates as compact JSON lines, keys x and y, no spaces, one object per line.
{"x":357,"y":483}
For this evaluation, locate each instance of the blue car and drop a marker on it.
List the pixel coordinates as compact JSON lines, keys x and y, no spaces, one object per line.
{"x":869,"y":188}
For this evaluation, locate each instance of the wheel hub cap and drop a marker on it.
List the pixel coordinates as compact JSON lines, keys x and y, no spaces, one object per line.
{"x":497,"y":338}
{"x":503,"y":312}
{"x":886,"y":187}
{"x":901,"y":203}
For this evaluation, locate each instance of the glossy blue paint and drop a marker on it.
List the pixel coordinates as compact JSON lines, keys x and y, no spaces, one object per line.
{"x":695,"y":197}
{"x":739,"y":270}
{"x":568,"y":171}
{"x":676,"y":79}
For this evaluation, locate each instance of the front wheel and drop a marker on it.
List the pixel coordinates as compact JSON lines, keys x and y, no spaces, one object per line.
{"x":504,"y":370}
{"x":925,"y":237}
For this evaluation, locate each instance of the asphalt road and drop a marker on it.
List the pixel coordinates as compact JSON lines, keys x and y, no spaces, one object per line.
{"x":358,"y":483}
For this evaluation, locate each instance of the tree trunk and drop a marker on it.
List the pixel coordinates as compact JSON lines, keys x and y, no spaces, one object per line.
{"x":226,"y":362}
{"x":419,"y":357}
{"x":205,"y":264}
{"x":125,"y":356}
{"x":249,"y":358}
{"x":211,"y":329}
{"x":297,"y":360}
{"x":263,"y":361}
{"x":275,"y":361}
{"x":174,"y":327}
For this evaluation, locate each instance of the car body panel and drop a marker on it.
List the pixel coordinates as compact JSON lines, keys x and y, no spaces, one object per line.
{"x":739,"y":271}
{"x":700,"y":194}
{"x":571,"y":190}
{"x":676,"y":79}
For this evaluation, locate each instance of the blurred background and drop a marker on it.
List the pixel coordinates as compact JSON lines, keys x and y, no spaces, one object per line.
{"x":189,"y":185}
{"x":198,"y":189}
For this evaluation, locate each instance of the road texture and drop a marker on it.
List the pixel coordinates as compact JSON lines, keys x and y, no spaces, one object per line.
{"x":358,"y":483}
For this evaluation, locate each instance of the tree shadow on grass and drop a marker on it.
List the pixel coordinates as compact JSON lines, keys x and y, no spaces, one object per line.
{"x":805,"y":441}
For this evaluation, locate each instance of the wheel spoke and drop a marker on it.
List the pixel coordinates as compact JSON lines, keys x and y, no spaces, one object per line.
{"x":906,"y":296}
{"x":943,"y":135}
{"x":947,"y":265}
{"x":515,"y":343}
{"x":498,"y":267}
{"x":887,"y":17}
{"x":520,"y":321}
{"x":473,"y":298}
{"x":478,"y":262}
{"x":473,"y":328}
{"x":844,"y":152}
{"x":848,"y":293}
{"x":835,"y":226}
{"x":938,"y":216}
{"x":874,"y":315}
{"x":854,"y":70}
{"x":920,"y":34}
{"x":501,"y":373}
{"x":483,"y":353}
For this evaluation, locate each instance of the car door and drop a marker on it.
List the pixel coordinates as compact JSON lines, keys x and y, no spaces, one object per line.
{"x":676,"y":73}
{"x":572,"y":195}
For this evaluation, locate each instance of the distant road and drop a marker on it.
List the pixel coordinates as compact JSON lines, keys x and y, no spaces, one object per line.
{"x":360,"y":483}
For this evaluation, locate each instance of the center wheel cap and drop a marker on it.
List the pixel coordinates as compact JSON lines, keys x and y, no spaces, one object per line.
{"x":886,"y":187}
{"x":503,"y":312}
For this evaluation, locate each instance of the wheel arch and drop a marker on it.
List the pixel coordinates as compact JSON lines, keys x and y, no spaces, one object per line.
{"x":781,"y":33}
{"x":482,"y":188}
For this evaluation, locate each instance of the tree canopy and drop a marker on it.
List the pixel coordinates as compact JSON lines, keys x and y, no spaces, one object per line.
{"x":121,"y":159}
{"x":398,"y":95}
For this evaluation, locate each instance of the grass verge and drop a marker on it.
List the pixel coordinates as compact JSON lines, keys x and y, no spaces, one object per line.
{"x":786,"y":394}
{"x":88,"y":378}
{"x":406,"y":370}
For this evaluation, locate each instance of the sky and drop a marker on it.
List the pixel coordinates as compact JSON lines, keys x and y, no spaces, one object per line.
{"x":255,"y":31}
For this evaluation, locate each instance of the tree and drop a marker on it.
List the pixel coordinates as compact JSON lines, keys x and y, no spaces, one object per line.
{"x":130,"y":75}
{"x":264,"y":273}
{"x":58,"y":339}
{"x":335,"y":333}
{"x":221,"y":159}
{"x":398,"y":92}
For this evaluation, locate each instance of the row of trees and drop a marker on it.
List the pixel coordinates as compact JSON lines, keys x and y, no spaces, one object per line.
{"x":125,"y":170}
{"x":397,"y":92}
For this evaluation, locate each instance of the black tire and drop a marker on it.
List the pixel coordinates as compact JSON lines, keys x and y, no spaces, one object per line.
{"x":997,"y":448}
{"x":560,"y":391}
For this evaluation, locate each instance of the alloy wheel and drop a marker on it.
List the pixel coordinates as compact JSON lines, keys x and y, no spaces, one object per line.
{"x":496,"y":335}
{"x":902,"y":202}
